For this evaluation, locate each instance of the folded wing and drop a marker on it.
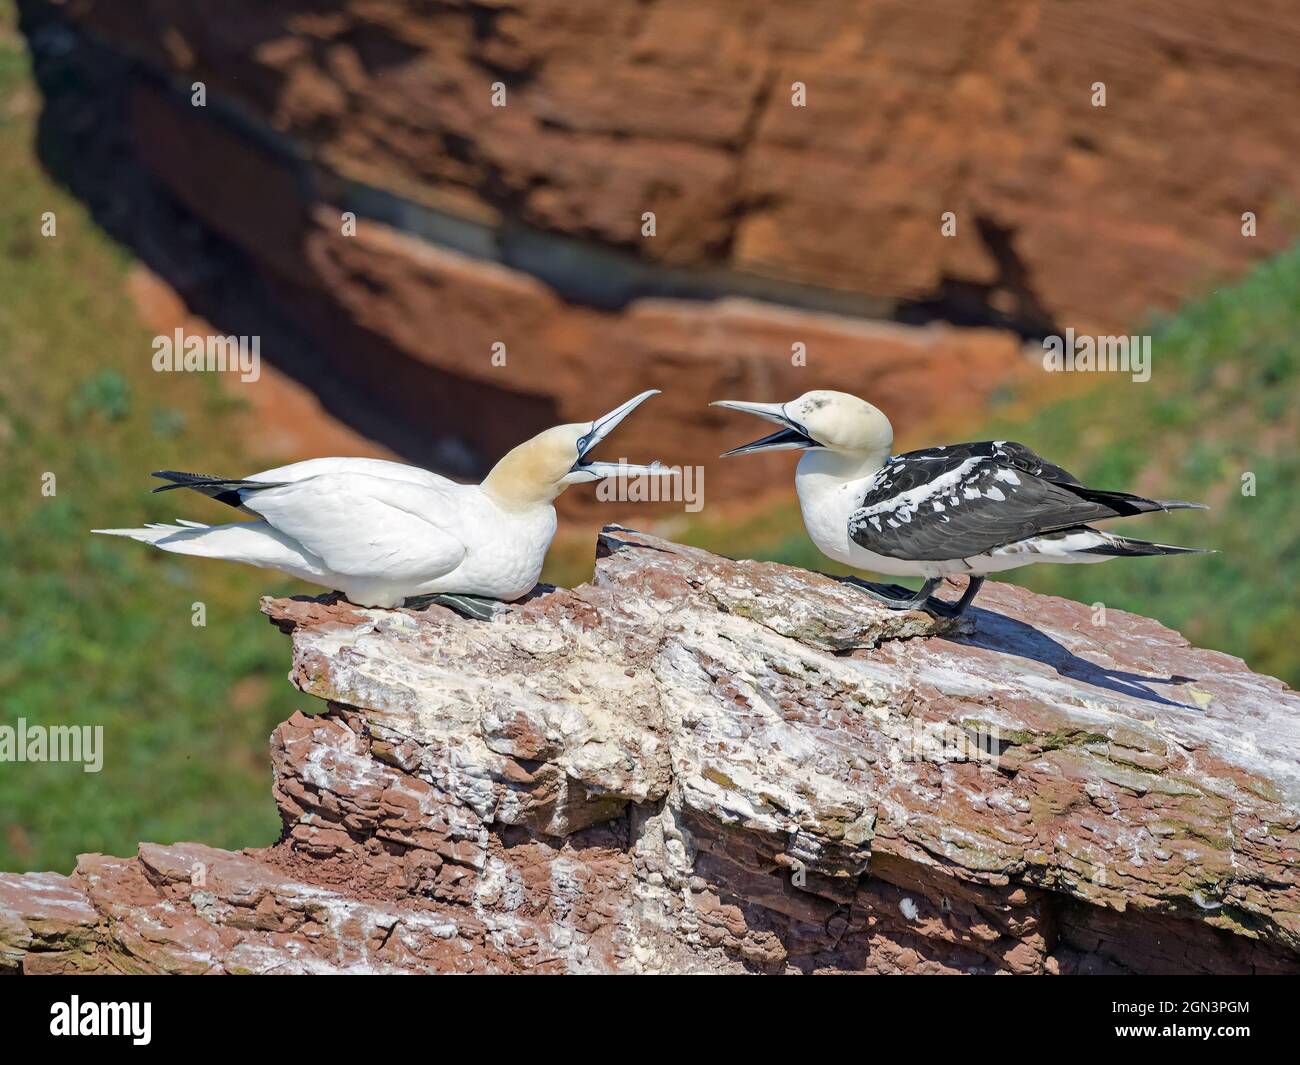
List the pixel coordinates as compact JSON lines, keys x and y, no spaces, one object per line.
{"x":967,"y":499}
{"x":389,"y":471}
{"x":367,"y":526}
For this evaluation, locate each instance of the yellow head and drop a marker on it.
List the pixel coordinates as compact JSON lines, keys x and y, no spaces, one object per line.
{"x":540,"y":469}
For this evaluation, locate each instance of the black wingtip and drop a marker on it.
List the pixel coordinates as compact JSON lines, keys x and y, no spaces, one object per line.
{"x":175,"y":476}
{"x":181,"y":479}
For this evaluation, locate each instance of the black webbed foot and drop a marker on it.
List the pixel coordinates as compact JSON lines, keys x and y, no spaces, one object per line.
{"x":924,"y":599}
{"x":474,"y":607}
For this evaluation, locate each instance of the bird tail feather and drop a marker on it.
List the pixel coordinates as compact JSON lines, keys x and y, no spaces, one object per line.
{"x":1127,"y":547}
{"x":253,"y":542}
{"x":154,"y":531}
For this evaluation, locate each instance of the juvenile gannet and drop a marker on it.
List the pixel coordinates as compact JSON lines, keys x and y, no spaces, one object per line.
{"x":381,"y":532}
{"x":958,"y":508}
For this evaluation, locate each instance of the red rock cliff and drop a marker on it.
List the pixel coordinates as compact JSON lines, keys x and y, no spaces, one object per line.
{"x":521,"y":225}
{"x":685,"y":108}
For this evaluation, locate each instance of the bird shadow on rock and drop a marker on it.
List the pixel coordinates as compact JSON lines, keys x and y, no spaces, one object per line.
{"x":539,"y":591}
{"x":1009,"y":636}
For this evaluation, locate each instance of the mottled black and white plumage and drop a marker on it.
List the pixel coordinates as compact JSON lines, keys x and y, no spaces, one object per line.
{"x":965,"y":500}
{"x":972,"y":509}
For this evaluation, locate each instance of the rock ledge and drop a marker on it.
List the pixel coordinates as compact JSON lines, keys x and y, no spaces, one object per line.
{"x":696,"y":764}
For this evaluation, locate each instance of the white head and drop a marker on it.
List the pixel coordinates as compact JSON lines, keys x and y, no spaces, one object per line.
{"x":540,"y":469}
{"x":821,"y":420}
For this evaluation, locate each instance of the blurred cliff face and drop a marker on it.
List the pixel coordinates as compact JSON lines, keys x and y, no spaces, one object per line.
{"x":461,"y":225}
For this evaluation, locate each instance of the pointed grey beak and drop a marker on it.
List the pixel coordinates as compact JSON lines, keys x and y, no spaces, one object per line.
{"x":601,"y":428}
{"x":791,"y":437}
{"x":605,"y":425}
{"x":596,"y":471}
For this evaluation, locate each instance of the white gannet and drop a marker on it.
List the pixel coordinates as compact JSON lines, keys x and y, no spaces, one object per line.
{"x":381,"y":532}
{"x":958,"y":508}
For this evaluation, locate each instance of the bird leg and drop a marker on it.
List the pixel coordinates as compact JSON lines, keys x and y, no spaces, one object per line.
{"x":903,"y":602}
{"x":957,"y":609}
{"x":922,"y":599}
{"x":474,"y":607}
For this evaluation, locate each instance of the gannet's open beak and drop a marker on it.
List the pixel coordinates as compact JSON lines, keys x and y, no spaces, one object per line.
{"x":790,"y":438}
{"x":586,"y":470}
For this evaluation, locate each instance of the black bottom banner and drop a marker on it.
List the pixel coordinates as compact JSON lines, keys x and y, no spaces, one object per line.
{"x":176,"y":1014}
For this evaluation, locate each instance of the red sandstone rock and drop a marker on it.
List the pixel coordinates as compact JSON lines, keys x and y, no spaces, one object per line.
{"x":695,"y":764}
{"x":1067,"y":214}
{"x":1089,"y":215}
{"x":417,"y":325}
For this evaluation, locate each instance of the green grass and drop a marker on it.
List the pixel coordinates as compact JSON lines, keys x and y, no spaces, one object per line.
{"x":1222,"y":402}
{"x":98,"y":631}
